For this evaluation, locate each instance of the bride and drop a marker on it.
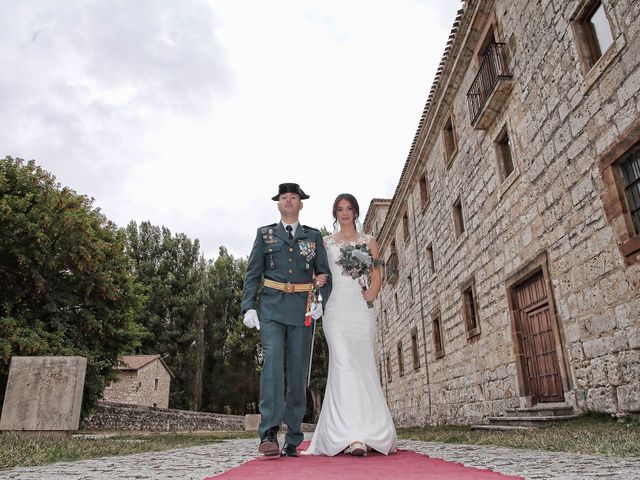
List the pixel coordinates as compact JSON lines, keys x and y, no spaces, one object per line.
{"x":354,"y":415}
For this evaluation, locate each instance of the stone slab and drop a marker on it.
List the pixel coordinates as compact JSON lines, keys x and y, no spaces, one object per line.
{"x":43,"y":394}
{"x":252,"y":422}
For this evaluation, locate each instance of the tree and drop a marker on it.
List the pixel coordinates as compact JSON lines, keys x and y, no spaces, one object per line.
{"x":66,"y":286}
{"x":168,"y":267}
{"x":233,"y":353}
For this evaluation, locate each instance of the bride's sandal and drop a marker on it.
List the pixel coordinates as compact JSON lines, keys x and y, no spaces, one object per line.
{"x":358,"y":449}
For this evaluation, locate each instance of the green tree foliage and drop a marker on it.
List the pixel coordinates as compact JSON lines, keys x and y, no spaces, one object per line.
{"x":232,"y":357}
{"x":65,"y":281}
{"x":167,"y":266}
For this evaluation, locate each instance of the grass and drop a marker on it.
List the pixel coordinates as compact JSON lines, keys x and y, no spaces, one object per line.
{"x":593,"y":434}
{"x":589,"y":434}
{"x":18,"y":450}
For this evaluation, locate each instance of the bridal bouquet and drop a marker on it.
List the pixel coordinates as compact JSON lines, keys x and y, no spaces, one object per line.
{"x":356,"y":262}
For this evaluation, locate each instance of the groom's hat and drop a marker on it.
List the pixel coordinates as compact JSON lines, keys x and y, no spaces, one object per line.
{"x":290,"y":188}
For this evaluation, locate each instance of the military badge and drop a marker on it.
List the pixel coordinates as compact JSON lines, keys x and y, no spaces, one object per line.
{"x":307,"y":250}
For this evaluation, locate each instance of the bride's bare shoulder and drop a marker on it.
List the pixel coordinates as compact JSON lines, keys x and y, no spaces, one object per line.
{"x":329,"y":239}
{"x":365,"y":238}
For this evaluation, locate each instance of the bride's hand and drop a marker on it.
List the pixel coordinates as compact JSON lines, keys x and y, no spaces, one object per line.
{"x":321,"y":280}
{"x":369,"y":296}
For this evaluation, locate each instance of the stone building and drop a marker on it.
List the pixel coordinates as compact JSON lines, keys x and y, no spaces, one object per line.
{"x":512,"y":242}
{"x":143,"y":380}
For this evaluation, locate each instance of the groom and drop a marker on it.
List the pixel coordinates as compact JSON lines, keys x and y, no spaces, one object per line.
{"x":286,"y":256}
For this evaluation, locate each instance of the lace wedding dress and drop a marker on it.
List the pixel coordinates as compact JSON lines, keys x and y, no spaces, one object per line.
{"x":354,"y":407}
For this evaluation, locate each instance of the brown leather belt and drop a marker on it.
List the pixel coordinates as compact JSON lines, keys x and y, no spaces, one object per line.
{"x":288,"y":287}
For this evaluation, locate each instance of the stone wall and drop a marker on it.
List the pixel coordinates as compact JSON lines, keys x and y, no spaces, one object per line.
{"x":548,"y":212}
{"x":113,"y":416}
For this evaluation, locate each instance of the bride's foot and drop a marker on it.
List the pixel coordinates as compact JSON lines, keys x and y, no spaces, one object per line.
{"x":358,"y":449}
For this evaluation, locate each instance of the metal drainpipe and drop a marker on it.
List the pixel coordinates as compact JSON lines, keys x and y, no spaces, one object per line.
{"x":424,"y":331}
{"x":384,"y":356}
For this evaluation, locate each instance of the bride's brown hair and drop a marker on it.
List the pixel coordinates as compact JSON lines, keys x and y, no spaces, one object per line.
{"x":354,"y":204}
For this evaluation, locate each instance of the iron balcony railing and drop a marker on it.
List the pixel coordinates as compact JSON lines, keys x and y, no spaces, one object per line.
{"x":492,"y":68}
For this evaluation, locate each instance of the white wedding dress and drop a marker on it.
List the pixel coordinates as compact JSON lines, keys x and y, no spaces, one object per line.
{"x":354,"y":407}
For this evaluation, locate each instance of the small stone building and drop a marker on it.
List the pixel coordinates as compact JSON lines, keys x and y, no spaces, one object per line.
{"x":144,"y":380}
{"x":512,"y":241}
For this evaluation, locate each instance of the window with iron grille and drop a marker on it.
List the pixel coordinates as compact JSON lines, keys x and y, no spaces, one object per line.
{"x":619,"y":165}
{"x":400,"y":359}
{"x":630,"y":172}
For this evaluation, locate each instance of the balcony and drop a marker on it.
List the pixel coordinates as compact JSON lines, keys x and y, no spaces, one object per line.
{"x":490,"y":88}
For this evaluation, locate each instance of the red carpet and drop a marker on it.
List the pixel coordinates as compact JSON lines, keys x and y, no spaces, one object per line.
{"x":404,"y":465}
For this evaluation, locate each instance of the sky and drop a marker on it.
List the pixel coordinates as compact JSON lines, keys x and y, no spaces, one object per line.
{"x":190,"y":113}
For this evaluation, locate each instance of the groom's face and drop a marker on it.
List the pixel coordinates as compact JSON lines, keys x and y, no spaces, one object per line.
{"x":289,"y":204}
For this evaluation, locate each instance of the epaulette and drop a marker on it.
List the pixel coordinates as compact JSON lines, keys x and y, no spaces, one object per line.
{"x":267,"y":227}
{"x":307,"y":227}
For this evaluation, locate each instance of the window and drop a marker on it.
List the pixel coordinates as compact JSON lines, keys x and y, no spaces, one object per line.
{"x":598,"y":31}
{"x":504,"y":155}
{"x":449,"y":140}
{"x":380,"y":371}
{"x":595,"y":37}
{"x":630,"y":169}
{"x":392,"y":264}
{"x":388,"y":358}
{"x":395,"y":298}
{"x":430,"y":261}
{"x":405,"y":225}
{"x":620,"y":168}
{"x":458,"y":220}
{"x":470,"y":310}
{"x":437,"y":335}
{"x":386,"y":319}
{"x":425,"y":194}
{"x":156,"y":385}
{"x":410,"y":285}
{"x":414,"y":348}
{"x":400,"y":359}
{"x":490,"y":89}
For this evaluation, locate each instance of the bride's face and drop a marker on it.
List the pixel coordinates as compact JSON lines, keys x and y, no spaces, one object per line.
{"x":344,"y":212}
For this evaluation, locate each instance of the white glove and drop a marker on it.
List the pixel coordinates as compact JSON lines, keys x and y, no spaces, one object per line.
{"x":251,"y":319}
{"x":316,"y":310}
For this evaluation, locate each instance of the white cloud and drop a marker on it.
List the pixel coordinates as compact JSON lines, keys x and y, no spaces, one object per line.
{"x":190,"y":114}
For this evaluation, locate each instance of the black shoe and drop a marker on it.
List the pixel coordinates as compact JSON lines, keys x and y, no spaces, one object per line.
{"x":269,"y":445}
{"x":289,"y":450}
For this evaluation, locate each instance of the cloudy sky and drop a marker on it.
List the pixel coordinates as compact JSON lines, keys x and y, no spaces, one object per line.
{"x":189,"y":113}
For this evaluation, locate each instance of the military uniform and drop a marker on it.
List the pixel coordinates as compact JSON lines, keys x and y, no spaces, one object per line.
{"x":276,"y":258}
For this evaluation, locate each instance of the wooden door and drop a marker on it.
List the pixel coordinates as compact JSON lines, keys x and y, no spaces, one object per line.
{"x":538,"y":341}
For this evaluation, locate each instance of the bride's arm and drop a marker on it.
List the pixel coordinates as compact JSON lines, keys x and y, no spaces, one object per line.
{"x":376,"y":277}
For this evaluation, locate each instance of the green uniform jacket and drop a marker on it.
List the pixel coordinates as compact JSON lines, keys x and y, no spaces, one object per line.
{"x":275,"y":257}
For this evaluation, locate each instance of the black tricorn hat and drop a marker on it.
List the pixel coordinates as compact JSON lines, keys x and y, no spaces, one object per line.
{"x":290,"y":188}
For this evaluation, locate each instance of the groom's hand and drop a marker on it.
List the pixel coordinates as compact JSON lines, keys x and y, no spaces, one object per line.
{"x":316,"y":310}
{"x":321,"y":280}
{"x":251,"y":319}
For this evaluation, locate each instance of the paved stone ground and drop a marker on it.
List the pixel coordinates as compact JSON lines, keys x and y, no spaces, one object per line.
{"x":199,"y":462}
